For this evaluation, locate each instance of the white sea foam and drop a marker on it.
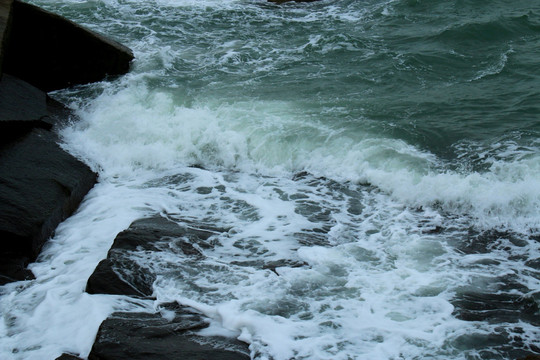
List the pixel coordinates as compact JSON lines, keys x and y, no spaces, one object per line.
{"x":495,"y":67}
{"x":52,"y":314}
{"x":138,"y":128}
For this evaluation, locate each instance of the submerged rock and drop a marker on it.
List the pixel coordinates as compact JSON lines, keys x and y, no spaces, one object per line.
{"x":145,"y":336}
{"x":496,"y":308}
{"x":284,"y":1}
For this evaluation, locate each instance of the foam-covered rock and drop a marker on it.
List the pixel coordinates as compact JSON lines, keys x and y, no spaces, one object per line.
{"x":119,"y":274}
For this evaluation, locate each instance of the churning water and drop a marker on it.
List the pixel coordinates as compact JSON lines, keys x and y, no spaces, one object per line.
{"x":383,"y":155}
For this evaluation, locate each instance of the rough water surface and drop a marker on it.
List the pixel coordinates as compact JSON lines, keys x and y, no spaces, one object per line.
{"x":373,"y":166}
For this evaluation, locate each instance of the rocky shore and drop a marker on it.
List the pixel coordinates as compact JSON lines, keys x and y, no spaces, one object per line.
{"x":151,"y":336}
{"x":41,"y":184}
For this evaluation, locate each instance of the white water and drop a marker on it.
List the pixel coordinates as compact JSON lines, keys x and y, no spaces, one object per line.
{"x":377,"y":286}
{"x":377,"y":280}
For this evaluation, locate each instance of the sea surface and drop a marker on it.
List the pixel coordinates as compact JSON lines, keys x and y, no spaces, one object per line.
{"x":385,"y":154}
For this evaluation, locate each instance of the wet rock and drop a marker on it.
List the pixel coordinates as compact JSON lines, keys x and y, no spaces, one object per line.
{"x":14,"y":269}
{"x":150,"y":234}
{"x":153,"y":336}
{"x":58,"y":53}
{"x":68,"y":357}
{"x":496,"y":308}
{"x":22,"y":108}
{"x":106,"y":280}
{"x":499,"y":344}
{"x":120,"y":274}
{"x":147,"y":336}
{"x":5,"y":25}
{"x":532,"y":357}
{"x":40,"y":185}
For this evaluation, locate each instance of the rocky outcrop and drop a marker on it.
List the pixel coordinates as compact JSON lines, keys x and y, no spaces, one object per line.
{"x":40,"y":184}
{"x":13,"y":268}
{"x":134,"y":336}
{"x":151,"y":336}
{"x":51,"y":52}
{"x":119,"y":274}
{"x":22,"y":108}
{"x":106,"y":279}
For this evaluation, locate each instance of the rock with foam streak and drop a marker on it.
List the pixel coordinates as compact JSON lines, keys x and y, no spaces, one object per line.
{"x":147,"y":336}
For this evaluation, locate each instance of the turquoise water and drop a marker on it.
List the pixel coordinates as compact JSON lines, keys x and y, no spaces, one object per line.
{"x":390,"y":146}
{"x":430,"y":73}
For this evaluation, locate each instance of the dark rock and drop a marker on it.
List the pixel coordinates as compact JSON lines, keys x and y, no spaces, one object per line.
{"x":532,"y":357}
{"x":52,"y":52}
{"x":5,"y":25}
{"x":105,"y":280}
{"x":121,"y":275}
{"x":148,"y":233}
{"x":22,"y":108}
{"x":14,"y":269}
{"x":150,"y":336}
{"x":497,"y":344}
{"x":496,"y":308}
{"x":68,"y":357}
{"x":146,"y":336}
{"x":20,"y":101}
{"x":40,"y":185}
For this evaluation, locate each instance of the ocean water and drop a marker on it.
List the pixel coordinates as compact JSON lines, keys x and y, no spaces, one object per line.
{"x":384,"y":154}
